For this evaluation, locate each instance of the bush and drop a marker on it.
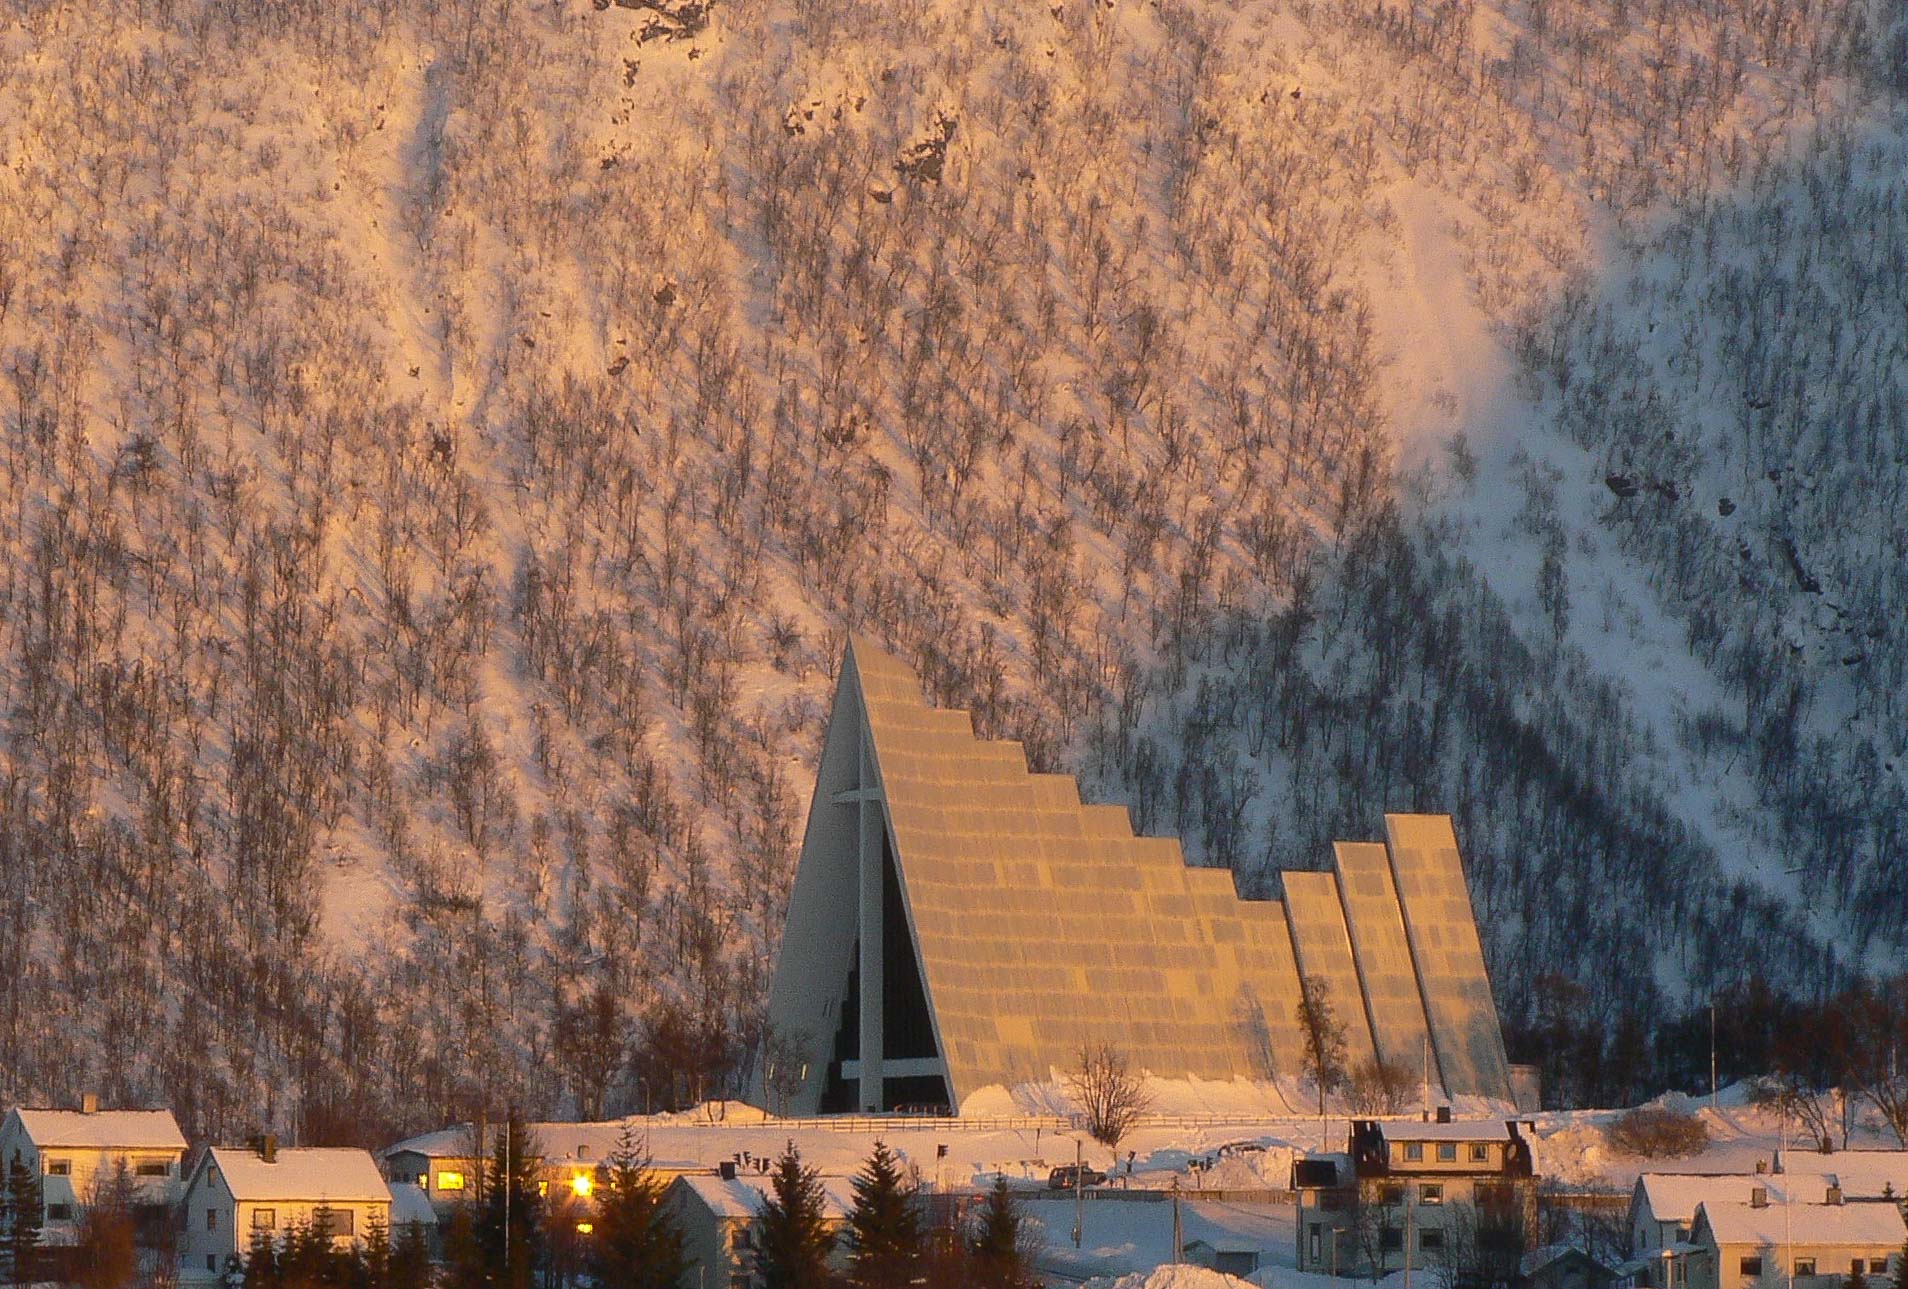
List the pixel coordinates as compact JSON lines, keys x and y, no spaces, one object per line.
{"x":1656,"y":1132}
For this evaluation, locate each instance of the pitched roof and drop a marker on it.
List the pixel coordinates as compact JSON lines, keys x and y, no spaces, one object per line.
{"x":1776,"y":1223}
{"x":557,"y":1143}
{"x":102,"y":1130}
{"x":1456,"y":1130}
{"x":1673,"y":1197}
{"x":1859,"y":1172}
{"x":744,"y":1196}
{"x":306,"y":1175}
{"x":410,"y":1206}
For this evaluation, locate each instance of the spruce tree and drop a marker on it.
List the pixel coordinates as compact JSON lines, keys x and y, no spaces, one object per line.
{"x":635,"y":1245}
{"x":410,"y":1257}
{"x":261,"y":1263}
{"x":884,"y":1230}
{"x":25,"y":1214}
{"x":995,"y":1248}
{"x":510,"y":1224}
{"x":1855,"y":1280}
{"x":795,"y":1239}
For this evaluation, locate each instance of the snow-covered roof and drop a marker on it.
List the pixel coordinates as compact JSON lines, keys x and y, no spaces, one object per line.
{"x":745,"y":1196}
{"x":1223,"y":1244}
{"x":1458,"y":1130}
{"x":1858,"y":1172}
{"x":410,"y":1205}
{"x":557,"y":1143}
{"x":307,"y":1175}
{"x":1859,"y":1223}
{"x":1537,"y":1259}
{"x":102,"y":1130}
{"x":1673,"y":1197}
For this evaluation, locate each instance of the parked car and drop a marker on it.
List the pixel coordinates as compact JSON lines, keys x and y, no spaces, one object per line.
{"x":1062,"y":1178}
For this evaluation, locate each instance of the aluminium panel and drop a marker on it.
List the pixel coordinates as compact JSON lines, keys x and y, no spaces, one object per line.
{"x":1442,"y":929}
{"x":1324,"y":953}
{"x":1383,"y":955}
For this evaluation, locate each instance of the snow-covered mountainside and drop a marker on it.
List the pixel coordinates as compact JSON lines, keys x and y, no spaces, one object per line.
{"x":445,"y":446}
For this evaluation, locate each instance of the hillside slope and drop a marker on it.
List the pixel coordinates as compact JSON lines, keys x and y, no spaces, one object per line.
{"x":445,"y":447}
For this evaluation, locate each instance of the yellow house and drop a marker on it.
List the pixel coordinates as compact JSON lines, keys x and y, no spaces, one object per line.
{"x":1794,"y":1246}
{"x":238,"y":1196}
{"x":76,"y":1151}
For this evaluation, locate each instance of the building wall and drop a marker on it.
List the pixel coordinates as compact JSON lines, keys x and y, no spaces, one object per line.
{"x":68,"y":1178}
{"x":1721,"y":1267}
{"x":1412,"y":1206}
{"x":232,"y":1225}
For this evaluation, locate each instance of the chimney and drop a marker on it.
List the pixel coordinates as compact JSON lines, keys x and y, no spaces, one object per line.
{"x":726,"y":1170}
{"x":1834,"y":1194}
{"x":1444,"y":1114}
{"x":1762,"y":1166}
{"x":268,"y":1148}
{"x":89,"y":1103}
{"x":1759,"y":1197}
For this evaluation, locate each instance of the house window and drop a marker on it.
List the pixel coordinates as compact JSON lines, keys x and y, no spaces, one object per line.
{"x":1430,"y":1241}
{"x":211,"y":1262}
{"x":59,"y":1212}
{"x":334,"y":1222}
{"x":264,"y":1219}
{"x":1682,"y":1235}
{"x":1414,"y":1151}
{"x":741,"y":1237}
{"x":1751,"y":1265}
{"x":1317,"y":1240}
{"x":211,"y":1219}
{"x":1391,"y":1193}
{"x":1447,"y":1152}
{"x":59,"y":1168}
{"x":1805,"y":1266}
{"x":1480,"y":1153}
{"x":1877,"y":1266}
{"x":740,"y":1280}
{"x":1391,"y":1239}
{"x":448,"y":1180}
{"x":152,"y":1168}
{"x":1430,"y":1194}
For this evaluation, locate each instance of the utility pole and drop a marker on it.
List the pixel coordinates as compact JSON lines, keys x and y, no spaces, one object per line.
{"x":1079,"y":1195}
{"x":1427,"y":1084}
{"x":1179,"y":1236}
{"x":1407,"y":1248}
{"x":509,"y":1179}
{"x":1712,"y":1053}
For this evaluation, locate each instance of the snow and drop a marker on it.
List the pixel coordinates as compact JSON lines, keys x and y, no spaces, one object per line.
{"x":411,"y":1206}
{"x":1864,"y":1174}
{"x":308,"y":1174}
{"x":744,"y":1197}
{"x":1673,"y":1197}
{"x":1171,"y":1277}
{"x":103,"y":1130}
{"x":1457,"y":1130}
{"x":1778,"y":1223}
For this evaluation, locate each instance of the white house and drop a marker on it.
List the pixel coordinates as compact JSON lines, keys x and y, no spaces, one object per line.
{"x":718,"y":1218}
{"x":447,"y":1165}
{"x":234,"y":1196}
{"x":77,"y":1151}
{"x":1794,"y":1245}
{"x":1663,"y":1205}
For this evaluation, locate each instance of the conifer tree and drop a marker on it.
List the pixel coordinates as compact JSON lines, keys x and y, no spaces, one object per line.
{"x":374,"y":1259}
{"x":1855,"y":1280}
{"x":1901,"y":1267}
{"x":510,"y":1224}
{"x":261,"y":1263}
{"x":635,"y":1245}
{"x":410,"y":1258}
{"x":998,"y":1262}
{"x":884,"y":1230}
{"x":25,"y":1213}
{"x":795,"y":1241}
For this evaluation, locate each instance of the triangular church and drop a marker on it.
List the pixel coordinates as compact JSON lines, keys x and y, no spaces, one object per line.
{"x":958,"y":922}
